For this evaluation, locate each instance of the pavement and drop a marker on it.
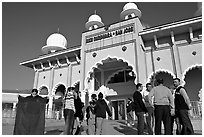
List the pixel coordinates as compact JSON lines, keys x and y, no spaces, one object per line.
{"x":110,"y":127}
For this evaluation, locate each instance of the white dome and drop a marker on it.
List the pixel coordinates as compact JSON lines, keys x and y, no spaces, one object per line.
{"x":57,"y":39}
{"x":130,"y":9}
{"x":94,"y":21}
{"x":94,"y":18}
{"x":130,"y":5}
{"x":55,"y":42}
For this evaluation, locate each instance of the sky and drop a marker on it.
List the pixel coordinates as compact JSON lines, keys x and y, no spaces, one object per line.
{"x":27,"y":25}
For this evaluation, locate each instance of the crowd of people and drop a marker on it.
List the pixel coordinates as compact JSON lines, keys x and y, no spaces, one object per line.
{"x":95,"y":113}
{"x":152,"y":107}
{"x":161,"y":104}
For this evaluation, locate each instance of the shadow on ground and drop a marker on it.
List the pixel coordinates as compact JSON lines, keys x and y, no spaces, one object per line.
{"x":124,"y":129}
{"x":54,"y":132}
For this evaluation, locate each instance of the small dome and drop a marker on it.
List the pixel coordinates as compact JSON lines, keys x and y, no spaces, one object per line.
{"x":94,"y":18}
{"x":130,"y":9}
{"x":130,"y":5}
{"x":94,"y":21}
{"x":55,"y":42}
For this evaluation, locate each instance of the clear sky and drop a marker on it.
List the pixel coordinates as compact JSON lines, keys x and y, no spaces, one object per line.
{"x":26,"y":26}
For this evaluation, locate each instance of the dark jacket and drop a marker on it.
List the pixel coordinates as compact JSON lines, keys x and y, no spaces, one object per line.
{"x":139,"y":105}
{"x":78,"y":106}
{"x":101,"y":108}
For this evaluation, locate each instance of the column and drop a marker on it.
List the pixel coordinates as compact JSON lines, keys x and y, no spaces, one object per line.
{"x":82,"y":70}
{"x":50,"y":103}
{"x":69,"y":77}
{"x":178,"y":69}
{"x":36,"y":79}
{"x":102,"y":78}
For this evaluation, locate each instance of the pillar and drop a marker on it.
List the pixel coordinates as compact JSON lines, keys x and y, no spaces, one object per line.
{"x":36,"y":79}
{"x":69,"y":78}
{"x":50,"y":103}
{"x":178,"y":70}
{"x":82,"y":71}
{"x":102,"y":78}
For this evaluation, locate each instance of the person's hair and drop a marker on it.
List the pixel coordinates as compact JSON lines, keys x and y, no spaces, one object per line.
{"x":93,"y":95}
{"x":138,"y":85}
{"x":148,"y":84}
{"x":160,"y":81}
{"x":34,"y":90}
{"x":70,"y":88}
{"x":100,"y":95}
{"x":177,"y":79}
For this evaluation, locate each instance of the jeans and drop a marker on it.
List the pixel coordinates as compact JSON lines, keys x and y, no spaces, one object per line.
{"x":130,"y":117}
{"x":99,"y":125}
{"x":91,"y":126}
{"x":150,"y":120}
{"x":69,"y":121}
{"x":162,"y":114}
{"x":140,"y":124}
{"x":187,"y":127}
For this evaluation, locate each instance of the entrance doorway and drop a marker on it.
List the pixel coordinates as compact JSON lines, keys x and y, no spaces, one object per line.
{"x":118,"y":109}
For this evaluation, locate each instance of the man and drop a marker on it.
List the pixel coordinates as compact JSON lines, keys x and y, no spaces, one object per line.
{"x":150,"y":113}
{"x":139,"y":108}
{"x":175,"y":118}
{"x":100,"y":110}
{"x":69,"y":110}
{"x":91,"y":119}
{"x":182,"y":105}
{"x":163,"y":105}
{"x":30,"y":115}
{"x":78,"y":115}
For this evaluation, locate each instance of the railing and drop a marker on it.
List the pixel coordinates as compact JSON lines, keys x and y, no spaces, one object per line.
{"x":196,"y":111}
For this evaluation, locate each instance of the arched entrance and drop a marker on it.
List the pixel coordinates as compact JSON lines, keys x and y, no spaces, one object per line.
{"x":58,"y":101}
{"x":193,"y":82}
{"x":43,"y":90}
{"x":162,"y":74}
{"x":60,"y":90}
{"x":116,"y":80}
{"x":193,"y":85}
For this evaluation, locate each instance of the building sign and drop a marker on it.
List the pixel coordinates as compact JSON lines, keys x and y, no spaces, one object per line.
{"x":110,"y":34}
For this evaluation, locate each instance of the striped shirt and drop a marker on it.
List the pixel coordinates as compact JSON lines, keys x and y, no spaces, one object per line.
{"x":69,"y":101}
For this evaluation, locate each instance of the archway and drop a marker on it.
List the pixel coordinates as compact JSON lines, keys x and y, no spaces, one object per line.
{"x":162,"y":74}
{"x":193,"y":82}
{"x":60,"y":90}
{"x":58,"y":100}
{"x":115,"y":78}
{"x":43,"y":90}
{"x":109,"y":63}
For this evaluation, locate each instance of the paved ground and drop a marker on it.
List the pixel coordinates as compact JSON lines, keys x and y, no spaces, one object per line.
{"x":111,"y":127}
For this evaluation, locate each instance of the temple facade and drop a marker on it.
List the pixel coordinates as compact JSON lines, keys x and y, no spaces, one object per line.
{"x":113,"y":58}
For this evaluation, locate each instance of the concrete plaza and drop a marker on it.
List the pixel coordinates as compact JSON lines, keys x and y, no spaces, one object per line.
{"x":111,"y":127}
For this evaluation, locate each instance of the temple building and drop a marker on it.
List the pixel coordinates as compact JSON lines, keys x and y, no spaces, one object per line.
{"x":113,"y":58}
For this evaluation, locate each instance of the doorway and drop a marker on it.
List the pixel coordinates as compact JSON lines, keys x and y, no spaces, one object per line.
{"x":118,"y":109}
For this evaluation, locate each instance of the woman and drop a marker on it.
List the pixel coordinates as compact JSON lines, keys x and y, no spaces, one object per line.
{"x":69,"y":110}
